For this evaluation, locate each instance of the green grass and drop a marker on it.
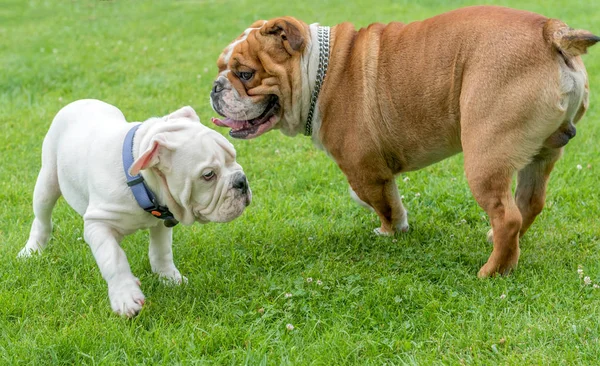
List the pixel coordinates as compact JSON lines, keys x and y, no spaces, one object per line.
{"x":413,"y":299}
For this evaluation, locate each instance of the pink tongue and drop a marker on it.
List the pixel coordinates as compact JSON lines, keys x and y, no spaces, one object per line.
{"x":228,"y":122}
{"x":218,"y":122}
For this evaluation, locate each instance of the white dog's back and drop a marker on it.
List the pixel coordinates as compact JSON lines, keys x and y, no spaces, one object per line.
{"x":71,"y":138}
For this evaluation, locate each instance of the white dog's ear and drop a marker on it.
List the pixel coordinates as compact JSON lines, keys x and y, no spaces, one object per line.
{"x":149,"y":158}
{"x":185,"y":112}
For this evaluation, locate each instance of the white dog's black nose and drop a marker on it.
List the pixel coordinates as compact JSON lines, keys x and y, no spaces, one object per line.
{"x":240,"y":182}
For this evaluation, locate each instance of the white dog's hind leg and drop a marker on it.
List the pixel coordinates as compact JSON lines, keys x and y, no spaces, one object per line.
{"x":160,"y":254}
{"x":126,"y":297}
{"x":45,"y":195}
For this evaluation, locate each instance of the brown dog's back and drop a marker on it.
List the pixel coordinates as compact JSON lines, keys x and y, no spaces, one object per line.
{"x":479,"y":59}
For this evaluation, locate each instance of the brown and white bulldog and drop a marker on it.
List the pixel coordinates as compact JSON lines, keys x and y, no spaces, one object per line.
{"x":503,"y":86}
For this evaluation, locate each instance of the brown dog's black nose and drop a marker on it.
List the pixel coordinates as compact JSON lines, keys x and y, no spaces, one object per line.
{"x":240,"y":182}
{"x":217,"y":87}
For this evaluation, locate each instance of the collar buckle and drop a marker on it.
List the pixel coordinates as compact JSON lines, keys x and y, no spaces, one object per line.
{"x":142,"y":194}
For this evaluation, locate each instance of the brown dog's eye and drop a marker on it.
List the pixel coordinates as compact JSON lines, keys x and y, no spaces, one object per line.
{"x":208,"y":175}
{"x":246,"y":75}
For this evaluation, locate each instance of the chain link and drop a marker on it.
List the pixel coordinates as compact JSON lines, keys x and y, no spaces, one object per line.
{"x":323,"y":39}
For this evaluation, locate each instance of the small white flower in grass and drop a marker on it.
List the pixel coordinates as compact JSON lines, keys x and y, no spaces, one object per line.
{"x":587,"y":280}
{"x":287,"y":295}
{"x":406,"y":179}
{"x":319,"y":283}
{"x":595,"y":285}
{"x":579,"y":167}
{"x":402,"y":197}
{"x":54,"y":50}
{"x":60,"y":99}
{"x":145,"y":48}
{"x":309,"y":279}
{"x":310,"y":238}
{"x":503,"y":296}
{"x":198,"y":76}
{"x":289,"y":327}
{"x":394,"y":240}
{"x":205,"y":69}
{"x":589,"y":166}
{"x":417,"y":194}
{"x":119,"y":42}
{"x":161,"y":49}
{"x":79,"y":238}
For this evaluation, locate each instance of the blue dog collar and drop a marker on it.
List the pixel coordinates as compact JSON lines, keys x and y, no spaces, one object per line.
{"x":143,"y":195}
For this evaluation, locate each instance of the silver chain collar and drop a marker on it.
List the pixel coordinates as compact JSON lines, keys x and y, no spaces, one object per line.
{"x":323,"y":39}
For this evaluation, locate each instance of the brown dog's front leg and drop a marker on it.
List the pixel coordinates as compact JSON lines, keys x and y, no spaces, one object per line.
{"x":382,"y":195}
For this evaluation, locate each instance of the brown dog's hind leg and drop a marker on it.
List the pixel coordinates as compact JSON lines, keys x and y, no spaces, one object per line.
{"x":531,"y":185}
{"x":490,"y":184}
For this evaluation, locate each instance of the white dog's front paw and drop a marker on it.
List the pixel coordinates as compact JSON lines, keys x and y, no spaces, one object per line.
{"x":172,"y":278}
{"x":28,"y":251}
{"x":126,"y":297}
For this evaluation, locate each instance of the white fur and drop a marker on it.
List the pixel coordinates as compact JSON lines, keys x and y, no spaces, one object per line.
{"x":229,"y":50}
{"x":294,"y":122}
{"x":359,"y":201}
{"x":81,"y":159}
{"x":401,"y":227}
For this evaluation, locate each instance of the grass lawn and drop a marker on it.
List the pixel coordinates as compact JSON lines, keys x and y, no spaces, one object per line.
{"x":412,"y":299}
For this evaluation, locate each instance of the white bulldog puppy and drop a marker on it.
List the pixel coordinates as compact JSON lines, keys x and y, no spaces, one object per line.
{"x":96,"y":160}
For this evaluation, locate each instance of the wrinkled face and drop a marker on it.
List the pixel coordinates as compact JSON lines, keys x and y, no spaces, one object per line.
{"x":259,"y":86}
{"x":204,"y":178}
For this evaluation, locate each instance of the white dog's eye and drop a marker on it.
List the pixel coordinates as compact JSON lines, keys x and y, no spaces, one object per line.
{"x":209,"y":175}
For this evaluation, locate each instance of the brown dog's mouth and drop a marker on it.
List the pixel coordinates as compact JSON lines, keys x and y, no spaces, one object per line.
{"x":254,"y":127}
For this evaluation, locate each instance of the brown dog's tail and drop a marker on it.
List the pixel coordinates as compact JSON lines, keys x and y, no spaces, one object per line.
{"x":568,"y":41}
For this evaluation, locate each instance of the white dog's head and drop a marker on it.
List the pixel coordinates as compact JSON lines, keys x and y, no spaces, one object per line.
{"x":194,"y":167}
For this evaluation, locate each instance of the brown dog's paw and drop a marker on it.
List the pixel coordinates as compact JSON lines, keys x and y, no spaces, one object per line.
{"x":492,"y":268}
{"x":381,"y":232}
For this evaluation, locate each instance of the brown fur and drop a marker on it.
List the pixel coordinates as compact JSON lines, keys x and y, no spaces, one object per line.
{"x":504,"y":86}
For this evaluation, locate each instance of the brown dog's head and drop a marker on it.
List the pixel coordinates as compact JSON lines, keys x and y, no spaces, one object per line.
{"x":261,"y":83}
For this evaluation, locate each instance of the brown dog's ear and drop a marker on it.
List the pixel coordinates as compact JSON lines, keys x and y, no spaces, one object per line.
{"x":289,"y":30}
